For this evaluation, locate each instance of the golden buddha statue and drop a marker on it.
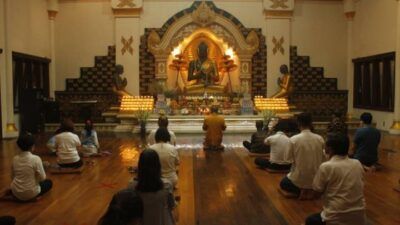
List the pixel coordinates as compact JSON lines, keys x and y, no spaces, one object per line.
{"x":285,"y":83}
{"x":204,"y":71}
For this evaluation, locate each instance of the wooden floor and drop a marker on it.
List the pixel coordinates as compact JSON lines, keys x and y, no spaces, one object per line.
{"x":221,"y":188}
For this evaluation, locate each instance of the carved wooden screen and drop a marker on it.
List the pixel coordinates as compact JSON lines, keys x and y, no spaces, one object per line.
{"x":374,"y":79}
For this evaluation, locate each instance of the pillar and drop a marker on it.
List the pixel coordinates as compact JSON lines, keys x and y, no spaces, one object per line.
{"x":395,"y":128}
{"x":127,"y":39}
{"x":8,"y":100}
{"x":278,"y":29}
{"x":52,"y":9}
{"x":349,"y":12}
{"x":3,"y":81}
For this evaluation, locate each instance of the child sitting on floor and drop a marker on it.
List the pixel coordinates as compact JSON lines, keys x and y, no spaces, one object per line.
{"x":66,"y":145}
{"x":90,"y":143}
{"x":28,"y":176}
{"x":280,"y":147}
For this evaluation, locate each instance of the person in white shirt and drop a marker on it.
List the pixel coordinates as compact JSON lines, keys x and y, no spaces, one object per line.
{"x":66,"y":145}
{"x":280,"y":147}
{"x":28,"y":176}
{"x":306,"y":154}
{"x":162,"y":122}
{"x":168,"y":155}
{"x":340,"y":182}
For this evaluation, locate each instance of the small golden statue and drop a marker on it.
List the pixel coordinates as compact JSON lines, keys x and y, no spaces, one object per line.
{"x":119,"y":82}
{"x":204,"y":71}
{"x":285,"y":83}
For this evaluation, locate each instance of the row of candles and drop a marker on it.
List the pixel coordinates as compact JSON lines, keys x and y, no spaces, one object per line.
{"x":276,"y":104}
{"x":136,"y":103}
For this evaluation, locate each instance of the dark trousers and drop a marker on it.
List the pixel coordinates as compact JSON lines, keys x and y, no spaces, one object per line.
{"x":74,"y":165}
{"x":45,"y":186}
{"x":315,"y":219}
{"x":7,"y":220}
{"x":247,"y":145}
{"x":261,"y":149}
{"x":287,"y":185}
{"x":265,"y":163}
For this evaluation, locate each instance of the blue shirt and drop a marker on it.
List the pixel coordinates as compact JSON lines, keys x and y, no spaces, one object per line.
{"x":367,"y":140}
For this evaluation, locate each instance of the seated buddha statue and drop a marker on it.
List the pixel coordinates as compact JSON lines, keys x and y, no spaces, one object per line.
{"x":285,"y":83}
{"x":204,"y":71}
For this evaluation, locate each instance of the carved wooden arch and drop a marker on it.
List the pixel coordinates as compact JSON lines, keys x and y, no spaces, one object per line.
{"x":204,"y":18}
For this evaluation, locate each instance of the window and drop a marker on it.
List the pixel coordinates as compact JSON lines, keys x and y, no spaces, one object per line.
{"x":29,"y":73}
{"x":374,"y":78}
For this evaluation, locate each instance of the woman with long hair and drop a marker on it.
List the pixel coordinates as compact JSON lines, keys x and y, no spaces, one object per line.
{"x":158,"y":200}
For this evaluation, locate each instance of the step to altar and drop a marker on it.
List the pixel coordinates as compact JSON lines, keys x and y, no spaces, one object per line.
{"x":188,"y":124}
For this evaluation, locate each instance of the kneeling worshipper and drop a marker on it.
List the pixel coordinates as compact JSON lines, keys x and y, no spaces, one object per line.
{"x":280,"y":148}
{"x":340,"y":182}
{"x":257,"y":144}
{"x":214,"y":125}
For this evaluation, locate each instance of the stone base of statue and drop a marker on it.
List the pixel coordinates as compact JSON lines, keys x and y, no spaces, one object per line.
{"x":200,"y":89}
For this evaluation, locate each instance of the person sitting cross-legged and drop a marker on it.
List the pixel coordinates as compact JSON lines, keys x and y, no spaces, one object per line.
{"x":257,"y":144}
{"x":168,"y":155}
{"x":366,"y":141}
{"x":28,"y":175}
{"x":280,"y":147}
{"x":306,"y":154}
{"x":340,"y":182}
{"x":66,"y":145}
{"x":162,"y":122}
{"x":90,"y":142}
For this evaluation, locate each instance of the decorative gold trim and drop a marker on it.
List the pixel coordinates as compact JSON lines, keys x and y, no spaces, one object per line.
{"x":350,"y":15}
{"x":10,"y":127}
{"x":52,"y":14}
{"x":395,"y":126}
{"x":125,"y":12}
{"x":280,"y":13}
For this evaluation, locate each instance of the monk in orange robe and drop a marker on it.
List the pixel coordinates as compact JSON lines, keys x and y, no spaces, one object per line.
{"x":214,"y":125}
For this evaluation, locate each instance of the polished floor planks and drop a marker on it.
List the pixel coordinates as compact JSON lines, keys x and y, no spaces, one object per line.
{"x":215,"y":188}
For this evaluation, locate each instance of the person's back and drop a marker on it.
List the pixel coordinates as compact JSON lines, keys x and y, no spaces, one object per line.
{"x":169,"y":160}
{"x":340,"y":183}
{"x":308,"y":154}
{"x":214,"y":125}
{"x":257,"y":142}
{"x":156,"y":195}
{"x":151,"y":139}
{"x":366,"y":140}
{"x":344,"y":191}
{"x":67,"y":143}
{"x":280,"y":148}
{"x":28,"y":175}
{"x":157,"y":205}
{"x":27,"y":172}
